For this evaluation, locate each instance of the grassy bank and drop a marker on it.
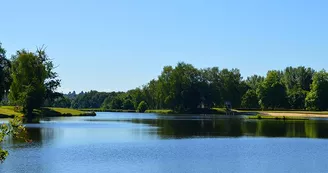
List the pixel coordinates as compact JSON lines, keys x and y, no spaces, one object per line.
{"x":9,"y":112}
{"x":106,"y":110}
{"x":158,"y":111}
{"x":51,"y":111}
{"x":269,"y":117}
{"x":219,"y":111}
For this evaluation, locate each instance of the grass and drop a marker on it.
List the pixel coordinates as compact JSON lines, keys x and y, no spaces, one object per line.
{"x":164,"y":111}
{"x":67,"y":111}
{"x":220,"y":110}
{"x":9,"y":112}
{"x":300,"y":112}
{"x":160,"y":111}
{"x":106,"y":110}
{"x":266,"y":117}
{"x":285,"y":111}
{"x":52,"y":111}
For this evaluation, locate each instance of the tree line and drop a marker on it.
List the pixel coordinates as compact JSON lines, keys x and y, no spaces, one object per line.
{"x":184,"y":88}
{"x":28,"y":80}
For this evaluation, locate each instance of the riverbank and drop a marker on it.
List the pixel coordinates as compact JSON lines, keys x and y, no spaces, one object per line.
{"x":310,"y":114}
{"x":267,"y":114}
{"x":217,"y":111}
{"x":10,"y":112}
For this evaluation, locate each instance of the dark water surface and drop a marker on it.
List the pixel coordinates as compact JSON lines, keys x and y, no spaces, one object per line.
{"x":149,"y":143}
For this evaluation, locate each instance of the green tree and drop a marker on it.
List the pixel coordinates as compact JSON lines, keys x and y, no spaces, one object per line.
{"x":210,"y":86}
{"x":5,"y":78}
{"x":232,"y":88}
{"x":254,"y":81}
{"x":296,"y":98}
{"x":184,"y":93}
{"x":116,"y":103}
{"x":250,"y":100}
{"x":28,"y":87}
{"x":317,"y":98}
{"x":128,"y":105}
{"x":91,"y":99}
{"x":272,"y":93}
{"x":62,"y":102}
{"x":106,"y":103}
{"x":297,"y":82}
{"x":299,"y":77}
{"x":143,"y":106}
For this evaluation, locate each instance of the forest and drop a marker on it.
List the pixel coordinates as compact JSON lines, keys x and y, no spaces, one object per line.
{"x":184,"y":88}
{"x":28,"y":80}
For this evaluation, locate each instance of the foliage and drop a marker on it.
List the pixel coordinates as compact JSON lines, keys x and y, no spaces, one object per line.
{"x":299,"y":77}
{"x":28,"y":86}
{"x":272,"y":94}
{"x":254,"y":81}
{"x":317,"y":98}
{"x":5,"y":78}
{"x":116,"y":103}
{"x":62,"y":102}
{"x":297,"y":82}
{"x":14,"y":128}
{"x":296,"y":98}
{"x":128,"y":105}
{"x":92,"y":99}
{"x":250,"y":100}
{"x":110,"y":96}
{"x":143,"y":106}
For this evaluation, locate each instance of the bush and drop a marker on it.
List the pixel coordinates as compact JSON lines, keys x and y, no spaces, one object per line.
{"x":128,"y":105}
{"x":143,"y":106}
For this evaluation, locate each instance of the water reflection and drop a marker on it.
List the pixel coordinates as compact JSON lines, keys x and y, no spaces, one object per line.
{"x":102,"y":129}
{"x":235,"y":127}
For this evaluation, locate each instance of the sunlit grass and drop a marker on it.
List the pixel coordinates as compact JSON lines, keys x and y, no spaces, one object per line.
{"x":160,"y":111}
{"x":259,"y":117}
{"x":73,"y":112}
{"x":8,"y":111}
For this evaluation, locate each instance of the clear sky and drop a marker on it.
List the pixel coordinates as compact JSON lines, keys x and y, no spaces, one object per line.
{"x":111,"y":45}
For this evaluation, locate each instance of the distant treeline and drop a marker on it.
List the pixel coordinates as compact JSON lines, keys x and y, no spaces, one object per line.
{"x":184,"y":88}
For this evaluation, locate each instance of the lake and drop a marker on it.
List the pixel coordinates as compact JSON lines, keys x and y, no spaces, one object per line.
{"x":151,"y":143}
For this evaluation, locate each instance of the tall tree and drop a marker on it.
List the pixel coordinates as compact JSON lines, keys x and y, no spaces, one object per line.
{"x":210,"y":87}
{"x":250,"y":100}
{"x":232,"y":87}
{"x":254,"y":81}
{"x":317,"y":98}
{"x":297,"y":82}
{"x":5,"y":78}
{"x":28,"y":88}
{"x":272,"y":93}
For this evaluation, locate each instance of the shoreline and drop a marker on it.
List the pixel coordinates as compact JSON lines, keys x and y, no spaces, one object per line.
{"x":296,"y":114}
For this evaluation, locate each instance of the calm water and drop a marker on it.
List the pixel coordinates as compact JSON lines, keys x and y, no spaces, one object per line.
{"x":149,"y":143}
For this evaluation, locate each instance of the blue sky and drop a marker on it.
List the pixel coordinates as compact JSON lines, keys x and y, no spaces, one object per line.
{"x":110,"y":45}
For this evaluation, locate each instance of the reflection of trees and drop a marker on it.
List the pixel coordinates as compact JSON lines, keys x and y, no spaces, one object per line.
{"x":39,"y":134}
{"x":34,"y":134}
{"x":296,"y":128}
{"x":234,"y":127}
{"x":194,"y":127}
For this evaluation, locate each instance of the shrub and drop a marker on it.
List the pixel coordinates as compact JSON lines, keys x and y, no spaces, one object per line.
{"x":143,"y":106}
